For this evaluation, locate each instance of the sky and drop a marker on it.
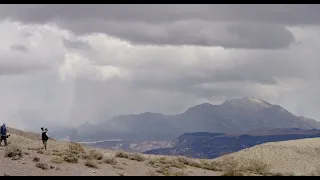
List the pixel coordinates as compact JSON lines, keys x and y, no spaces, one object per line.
{"x":63,"y":65}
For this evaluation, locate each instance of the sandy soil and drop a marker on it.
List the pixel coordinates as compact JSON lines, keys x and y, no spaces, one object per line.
{"x":296,"y":157}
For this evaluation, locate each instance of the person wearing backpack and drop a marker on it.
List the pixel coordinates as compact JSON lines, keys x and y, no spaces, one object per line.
{"x":3,"y":131}
{"x":45,"y":137}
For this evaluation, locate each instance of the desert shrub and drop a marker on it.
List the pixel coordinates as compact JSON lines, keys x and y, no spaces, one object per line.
{"x":179,"y":173}
{"x":122,"y":154}
{"x":134,"y":157}
{"x":164,"y":171}
{"x":70,"y":158}
{"x":76,"y":148}
{"x":91,"y":163}
{"x":188,"y":162}
{"x":205,"y":164}
{"x":93,"y":154}
{"x":57,"y":159}
{"x":257,"y":166}
{"x":13,"y":151}
{"x":152,"y":173}
{"x":163,"y":162}
{"x":232,"y":172}
{"x":110,"y":160}
{"x":42,"y":166}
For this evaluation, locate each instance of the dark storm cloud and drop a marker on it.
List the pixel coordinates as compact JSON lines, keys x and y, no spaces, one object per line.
{"x":19,"y":47}
{"x":76,"y":44}
{"x":230,"y":26}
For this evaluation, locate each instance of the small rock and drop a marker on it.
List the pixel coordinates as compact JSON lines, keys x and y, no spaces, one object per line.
{"x":16,"y":157}
{"x":51,"y":167}
{"x":93,"y":171}
{"x":23,"y":163}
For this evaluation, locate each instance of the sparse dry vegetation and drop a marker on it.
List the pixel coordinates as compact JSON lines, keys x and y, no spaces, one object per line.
{"x":134,"y":157}
{"x":76,"y":148}
{"x":110,"y":160}
{"x":164,"y":162}
{"x":94,"y":154}
{"x":70,"y":158}
{"x":42,"y":166}
{"x":13,"y":151}
{"x":188,"y":162}
{"x":57,"y":159}
{"x":91,"y":164}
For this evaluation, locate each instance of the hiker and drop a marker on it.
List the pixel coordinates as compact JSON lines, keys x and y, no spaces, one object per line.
{"x":3,"y":134}
{"x":44,"y":137}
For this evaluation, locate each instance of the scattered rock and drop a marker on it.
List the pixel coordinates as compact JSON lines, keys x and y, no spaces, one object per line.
{"x":17,"y":157}
{"x":42,"y":166}
{"x":36,"y":159}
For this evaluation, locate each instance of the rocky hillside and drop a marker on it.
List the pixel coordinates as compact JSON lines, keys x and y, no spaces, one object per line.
{"x":236,"y":115}
{"x":213,"y":145}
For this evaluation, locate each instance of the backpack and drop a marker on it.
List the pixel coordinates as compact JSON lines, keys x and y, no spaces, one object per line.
{"x":3,"y":130}
{"x":44,"y":136}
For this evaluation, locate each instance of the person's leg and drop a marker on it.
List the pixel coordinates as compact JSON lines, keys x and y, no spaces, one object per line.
{"x":5,"y":141}
{"x":45,"y":145}
{"x":0,"y":140}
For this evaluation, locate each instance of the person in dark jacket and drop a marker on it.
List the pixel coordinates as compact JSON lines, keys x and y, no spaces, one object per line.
{"x":45,"y":137}
{"x":3,"y":130}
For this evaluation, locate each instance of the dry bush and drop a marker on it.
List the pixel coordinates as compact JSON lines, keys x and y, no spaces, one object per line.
{"x":93,"y":154}
{"x":179,"y":173}
{"x":152,"y":173}
{"x":5,"y":174}
{"x":76,"y":148}
{"x":188,"y":162}
{"x":42,"y":166}
{"x":59,"y":153}
{"x":57,"y":159}
{"x":232,"y":172}
{"x":163,"y":162}
{"x":35,"y":159}
{"x":122,"y":154}
{"x":205,"y":164}
{"x":26,"y":153}
{"x":110,"y":160}
{"x":13,"y":151}
{"x":84,"y":156}
{"x":70,"y":158}
{"x":134,"y":157}
{"x":257,"y":166}
{"x":91,"y":163}
{"x":164,"y":171}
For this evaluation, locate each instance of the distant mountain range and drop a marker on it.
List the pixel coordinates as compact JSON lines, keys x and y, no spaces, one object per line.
{"x":212,"y":145}
{"x":237,"y":115}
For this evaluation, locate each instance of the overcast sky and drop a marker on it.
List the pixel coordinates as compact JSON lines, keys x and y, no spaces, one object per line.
{"x":67,"y":64}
